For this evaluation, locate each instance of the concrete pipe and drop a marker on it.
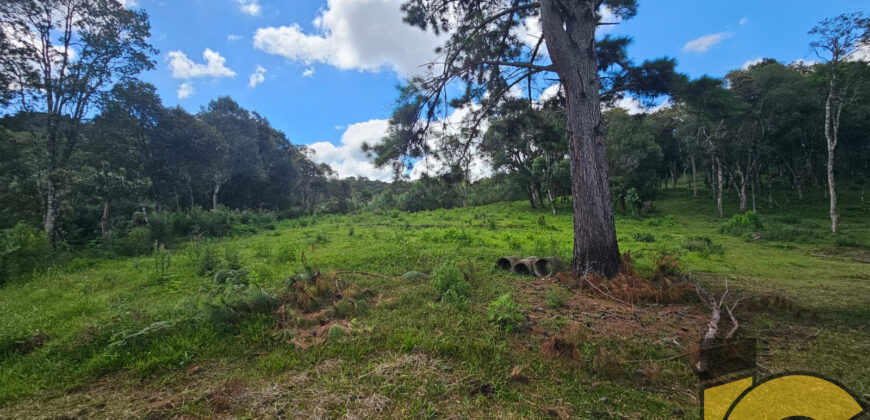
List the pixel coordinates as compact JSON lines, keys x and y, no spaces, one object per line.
{"x":505,"y":263}
{"x":525,"y":266}
{"x":547,"y":266}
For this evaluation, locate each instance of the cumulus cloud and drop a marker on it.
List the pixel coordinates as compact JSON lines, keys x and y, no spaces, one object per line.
{"x":743,"y":21}
{"x":129,"y":3}
{"x":257,"y":77}
{"x":185,"y":68}
{"x":354,"y":34}
{"x":249,"y":7}
{"x":705,"y":42}
{"x":550,"y":92}
{"x":233,"y":37}
{"x":750,"y":63}
{"x":185,"y":90}
{"x":348,"y":159}
{"x":308,"y":72}
{"x":861,"y":54}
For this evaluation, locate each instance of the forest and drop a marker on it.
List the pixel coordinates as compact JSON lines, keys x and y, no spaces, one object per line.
{"x":143,"y":244}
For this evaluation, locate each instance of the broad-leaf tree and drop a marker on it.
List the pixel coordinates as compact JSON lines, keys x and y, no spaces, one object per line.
{"x":837,"y":40}
{"x":61,"y":55}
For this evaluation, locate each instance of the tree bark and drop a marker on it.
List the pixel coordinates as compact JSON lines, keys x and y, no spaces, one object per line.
{"x":719,"y":188}
{"x":694,"y":177}
{"x":104,"y":221}
{"x":569,"y":30}
{"x":832,"y":125}
{"x":531,"y":194}
{"x":214,"y":195}
{"x":50,"y":220}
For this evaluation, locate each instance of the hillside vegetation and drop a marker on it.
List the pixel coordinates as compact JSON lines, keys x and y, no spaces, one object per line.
{"x":407,"y":316}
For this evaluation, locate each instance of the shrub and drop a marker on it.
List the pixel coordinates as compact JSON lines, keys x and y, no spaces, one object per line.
{"x":286,"y":253}
{"x":23,"y":250}
{"x":742,"y":223}
{"x":505,"y":312}
{"x":137,"y":242}
{"x":450,"y":284}
{"x":702,"y":245}
{"x":203,"y":258}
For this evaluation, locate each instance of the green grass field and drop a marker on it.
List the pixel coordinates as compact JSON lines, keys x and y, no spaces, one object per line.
{"x":146,"y":336}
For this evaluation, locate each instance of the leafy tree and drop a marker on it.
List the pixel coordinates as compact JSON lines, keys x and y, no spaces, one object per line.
{"x":837,"y":39}
{"x":235,"y":150}
{"x":632,"y":156}
{"x":485,"y":55}
{"x":64,"y":53}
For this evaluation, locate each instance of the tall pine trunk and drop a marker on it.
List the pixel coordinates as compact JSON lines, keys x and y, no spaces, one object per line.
{"x":569,"y":30}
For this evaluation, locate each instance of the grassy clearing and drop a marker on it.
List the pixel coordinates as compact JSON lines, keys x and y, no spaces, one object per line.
{"x":139,"y":336}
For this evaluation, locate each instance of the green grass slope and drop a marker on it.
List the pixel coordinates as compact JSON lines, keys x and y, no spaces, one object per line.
{"x":141,"y":336}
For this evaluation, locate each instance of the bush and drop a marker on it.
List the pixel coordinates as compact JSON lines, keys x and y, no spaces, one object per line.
{"x":450,"y":284}
{"x":702,"y":245}
{"x":286,"y":253}
{"x":742,"y":223}
{"x":137,"y":242}
{"x":505,"y":312}
{"x":23,"y":250}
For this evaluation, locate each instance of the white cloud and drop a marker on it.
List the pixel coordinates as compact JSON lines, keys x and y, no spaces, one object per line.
{"x":705,"y":42}
{"x":743,"y":21}
{"x":861,"y":54}
{"x":348,"y":159}
{"x":184,"y":68}
{"x":800,"y":62}
{"x":354,"y":34}
{"x":750,"y":63}
{"x":550,"y":92}
{"x":257,"y":77}
{"x":308,"y":72}
{"x":233,"y":37}
{"x":129,"y":3}
{"x":185,"y":90}
{"x":249,"y":7}
{"x":607,"y":16}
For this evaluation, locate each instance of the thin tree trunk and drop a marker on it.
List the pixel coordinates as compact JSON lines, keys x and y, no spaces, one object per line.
{"x":569,"y":29}
{"x":214,"y":195}
{"x":719,"y":188}
{"x":832,"y":122}
{"x":550,"y":197}
{"x":752,"y":183}
{"x":694,"y":177}
{"x":531,"y":195}
{"x":50,"y":220}
{"x":104,"y":221}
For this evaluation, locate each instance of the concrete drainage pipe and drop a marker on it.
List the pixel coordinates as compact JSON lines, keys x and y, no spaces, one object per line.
{"x":525,"y":266}
{"x":505,"y":263}
{"x":547,"y":266}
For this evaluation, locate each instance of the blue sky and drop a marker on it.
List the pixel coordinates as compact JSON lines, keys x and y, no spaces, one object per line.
{"x":328,"y":70}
